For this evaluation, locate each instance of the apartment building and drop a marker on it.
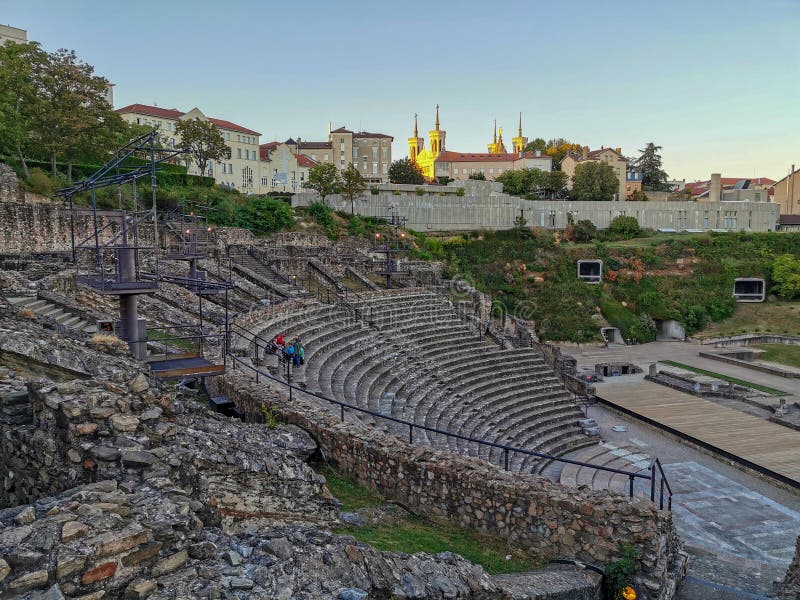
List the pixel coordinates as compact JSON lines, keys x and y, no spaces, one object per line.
{"x":241,"y":172}
{"x":460,"y":165}
{"x":282,"y":168}
{"x":12,"y":34}
{"x":371,"y":153}
{"x":609,"y":156}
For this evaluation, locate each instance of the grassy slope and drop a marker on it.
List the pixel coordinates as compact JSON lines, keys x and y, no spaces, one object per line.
{"x":781,"y":353}
{"x":411,"y":533}
{"x":771,"y":317}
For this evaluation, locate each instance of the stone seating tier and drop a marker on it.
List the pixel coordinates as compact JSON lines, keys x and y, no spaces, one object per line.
{"x":408,"y":355}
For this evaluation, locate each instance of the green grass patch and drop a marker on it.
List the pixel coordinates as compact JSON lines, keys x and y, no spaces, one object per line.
{"x":168,"y":339}
{"x":785,"y":354}
{"x":412,"y":533}
{"x":742,"y":382}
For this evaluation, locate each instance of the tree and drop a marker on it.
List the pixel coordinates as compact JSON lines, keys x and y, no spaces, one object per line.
{"x":584,"y":231}
{"x":478,"y":176}
{"x":203,"y":140}
{"x":554,"y":182}
{"x":594,"y":181}
{"x":21,"y":68}
{"x":324,"y":179}
{"x":638,"y":196}
{"x":537,"y":145}
{"x":649,"y":163}
{"x":786,"y":275}
{"x":407,"y":171}
{"x":558,"y":148}
{"x":73,"y":102}
{"x":353,"y":185}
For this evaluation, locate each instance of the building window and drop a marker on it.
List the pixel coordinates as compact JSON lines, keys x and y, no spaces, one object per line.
{"x":385,"y":153}
{"x":314,"y":157}
{"x":355,"y":153}
{"x":247,"y":177}
{"x":230,"y":168}
{"x":325,"y":158}
{"x":341,"y":162}
{"x":374,"y":168}
{"x":455,"y":171}
{"x":211,"y":168}
{"x":341,"y":154}
{"x":729,"y":220}
{"x":385,"y":168}
{"x":238,"y":153}
{"x":374,"y":154}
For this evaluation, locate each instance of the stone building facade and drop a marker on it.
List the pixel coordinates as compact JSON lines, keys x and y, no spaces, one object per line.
{"x":609,"y":156}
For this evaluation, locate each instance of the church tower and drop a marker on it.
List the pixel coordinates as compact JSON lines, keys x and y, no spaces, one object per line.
{"x":519,"y":142}
{"x":437,"y":137}
{"x":415,"y":144}
{"x":497,"y":146}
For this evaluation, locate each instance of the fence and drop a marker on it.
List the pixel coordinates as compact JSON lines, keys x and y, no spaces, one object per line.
{"x":654,"y":472}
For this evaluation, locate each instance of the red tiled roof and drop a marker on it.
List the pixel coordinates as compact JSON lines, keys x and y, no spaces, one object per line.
{"x":304,"y":161}
{"x":265,"y":149}
{"x":448,"y":156}
{"x":341,"y":130}
{"x":173,"y":113}
{"x":232,"y":126}
{"x":531,"y":154}
{"x":790,"y":219}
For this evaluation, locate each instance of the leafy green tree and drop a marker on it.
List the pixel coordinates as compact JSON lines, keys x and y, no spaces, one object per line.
{"x":554,"y":182}
{"x":513,"y":183}
{"x":594,"y":181}
{"x":263,"y":215}
{"x":406,"y":171}
{"x":649,"y":163}
{"x":478,"y":176}
{"x":21,"y":67}
{"x":73,"y":103}
{"x":624,"y":227}
{"x":324,"y":179}
{"x":353,"y":185}
{"x":786,"y":275}
{"x":538,"y":144}
{"x":204,"y":142}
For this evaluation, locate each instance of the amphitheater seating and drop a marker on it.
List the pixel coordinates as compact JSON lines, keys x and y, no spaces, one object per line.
{"x":408,"y":355}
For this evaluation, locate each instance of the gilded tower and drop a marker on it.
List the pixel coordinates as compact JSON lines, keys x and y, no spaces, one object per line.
{"x":415,"y":144}
{"x":497,"y":146}
{"x":519,"y":142}
{"x":437,"y":136}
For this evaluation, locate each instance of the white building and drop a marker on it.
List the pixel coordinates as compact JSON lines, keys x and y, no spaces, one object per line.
{"x":282,"y":168}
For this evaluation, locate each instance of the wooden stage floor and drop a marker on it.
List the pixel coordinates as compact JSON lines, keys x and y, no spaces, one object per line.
{"x":767,"y":447}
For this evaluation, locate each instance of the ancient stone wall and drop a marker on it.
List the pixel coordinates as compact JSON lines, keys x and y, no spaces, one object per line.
{"x":789,"y":588}
{"x":9,"y":185}
{"x":36,"y":228}
{"x":547,"y":519}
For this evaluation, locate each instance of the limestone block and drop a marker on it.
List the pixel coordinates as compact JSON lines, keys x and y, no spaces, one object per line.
{"x":124,"y":422}
{"x":29,"y":581}
{"x":4,"y":569}
{"x":73,"y":530}
{"x":170,"y":563}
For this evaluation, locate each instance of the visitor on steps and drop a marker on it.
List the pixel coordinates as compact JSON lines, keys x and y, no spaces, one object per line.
{"x":288,"y":353}
{"x":296,"y":347}
{"x":302,"y":354}
{"x":279,"y":339}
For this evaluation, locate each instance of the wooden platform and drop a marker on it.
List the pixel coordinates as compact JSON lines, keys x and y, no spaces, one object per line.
{"x":185,"y":367}
{"x":771,"y":449}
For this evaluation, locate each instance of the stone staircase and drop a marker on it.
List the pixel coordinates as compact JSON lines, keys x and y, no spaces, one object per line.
{"x":268,"y":276}
{"x":408,"y":355}
{"x":49,"y":310}
{"x":625,"y":458}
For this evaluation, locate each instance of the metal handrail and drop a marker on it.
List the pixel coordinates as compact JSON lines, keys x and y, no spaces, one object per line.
{"x":507,"y":450}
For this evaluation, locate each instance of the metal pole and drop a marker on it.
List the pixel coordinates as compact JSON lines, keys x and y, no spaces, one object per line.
{"x":661,"y":497}
{"x":630,"y":482}
{"x":72,"y":231}
{"x":153,"y":185}
{"x":505,"y":458}
{"x":341,"y":407}
{"x":652,"y":481}
{"x":410,"y":433}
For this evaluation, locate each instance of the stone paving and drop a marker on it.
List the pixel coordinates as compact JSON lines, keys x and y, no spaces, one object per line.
{"x":738,"y":528}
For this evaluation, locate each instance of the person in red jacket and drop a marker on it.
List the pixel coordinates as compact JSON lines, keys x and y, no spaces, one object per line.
{"x":279,"y":340}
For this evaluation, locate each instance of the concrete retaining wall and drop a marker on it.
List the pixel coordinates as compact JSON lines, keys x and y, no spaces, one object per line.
{"x":492,"y":210}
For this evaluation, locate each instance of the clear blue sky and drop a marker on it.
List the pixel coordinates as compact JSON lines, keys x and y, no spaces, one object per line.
{"x":715,"y":82}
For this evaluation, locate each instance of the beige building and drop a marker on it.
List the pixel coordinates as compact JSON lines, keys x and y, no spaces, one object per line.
{"x":371,"y":153}
{"x":282,"y":169}
{"x":242,"y":171}
{"x":460,"y":165}
{"x":12,"y":34}
{"x":609,"y":156}
{"x":787,"y":193}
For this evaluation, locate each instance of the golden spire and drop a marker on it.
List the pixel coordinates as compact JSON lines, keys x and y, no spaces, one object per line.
{"x":520,"y":125}
{"x":416,"y":135}
{"x":494,"y":137}
{"x":437,"y":117}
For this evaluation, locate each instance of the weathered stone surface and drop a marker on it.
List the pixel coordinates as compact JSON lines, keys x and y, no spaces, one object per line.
{"x":124,"y":422}
{"x":72,"y":530}
{"x":170,"y":563}
{"x":28,"y":581}
{"x":26,"y":516}
{"x":140,"y":588}
{"x":115,"y":542}
{"x":68,"y":563}
{"x":143,"y":553}
{"x":106,"y":453}
{"x":241,"y":583}
{"x":139,"y":384}
{"x":4,"y":569}
{"x":279,"y":547}
{"x":53,"y":593}
{"x":352,"y":594}
{"x":137,"y":458}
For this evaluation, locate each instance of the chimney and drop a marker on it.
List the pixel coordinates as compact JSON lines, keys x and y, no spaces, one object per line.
{"x":619,"y":150}
{"x":715,"y":189}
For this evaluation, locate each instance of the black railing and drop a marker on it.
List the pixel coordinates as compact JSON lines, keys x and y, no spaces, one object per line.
{"x":507,"y":451}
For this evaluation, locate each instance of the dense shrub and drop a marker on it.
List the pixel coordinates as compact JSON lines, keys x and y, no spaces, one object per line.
{"x":624,"y":227}
{"x":264,"y":215}
{"x":584,"y":231}
{"x":41,"y":183}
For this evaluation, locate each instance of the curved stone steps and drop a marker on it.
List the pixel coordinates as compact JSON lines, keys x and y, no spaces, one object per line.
{"x":624,"y":458}
{"x":532,"y":464}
